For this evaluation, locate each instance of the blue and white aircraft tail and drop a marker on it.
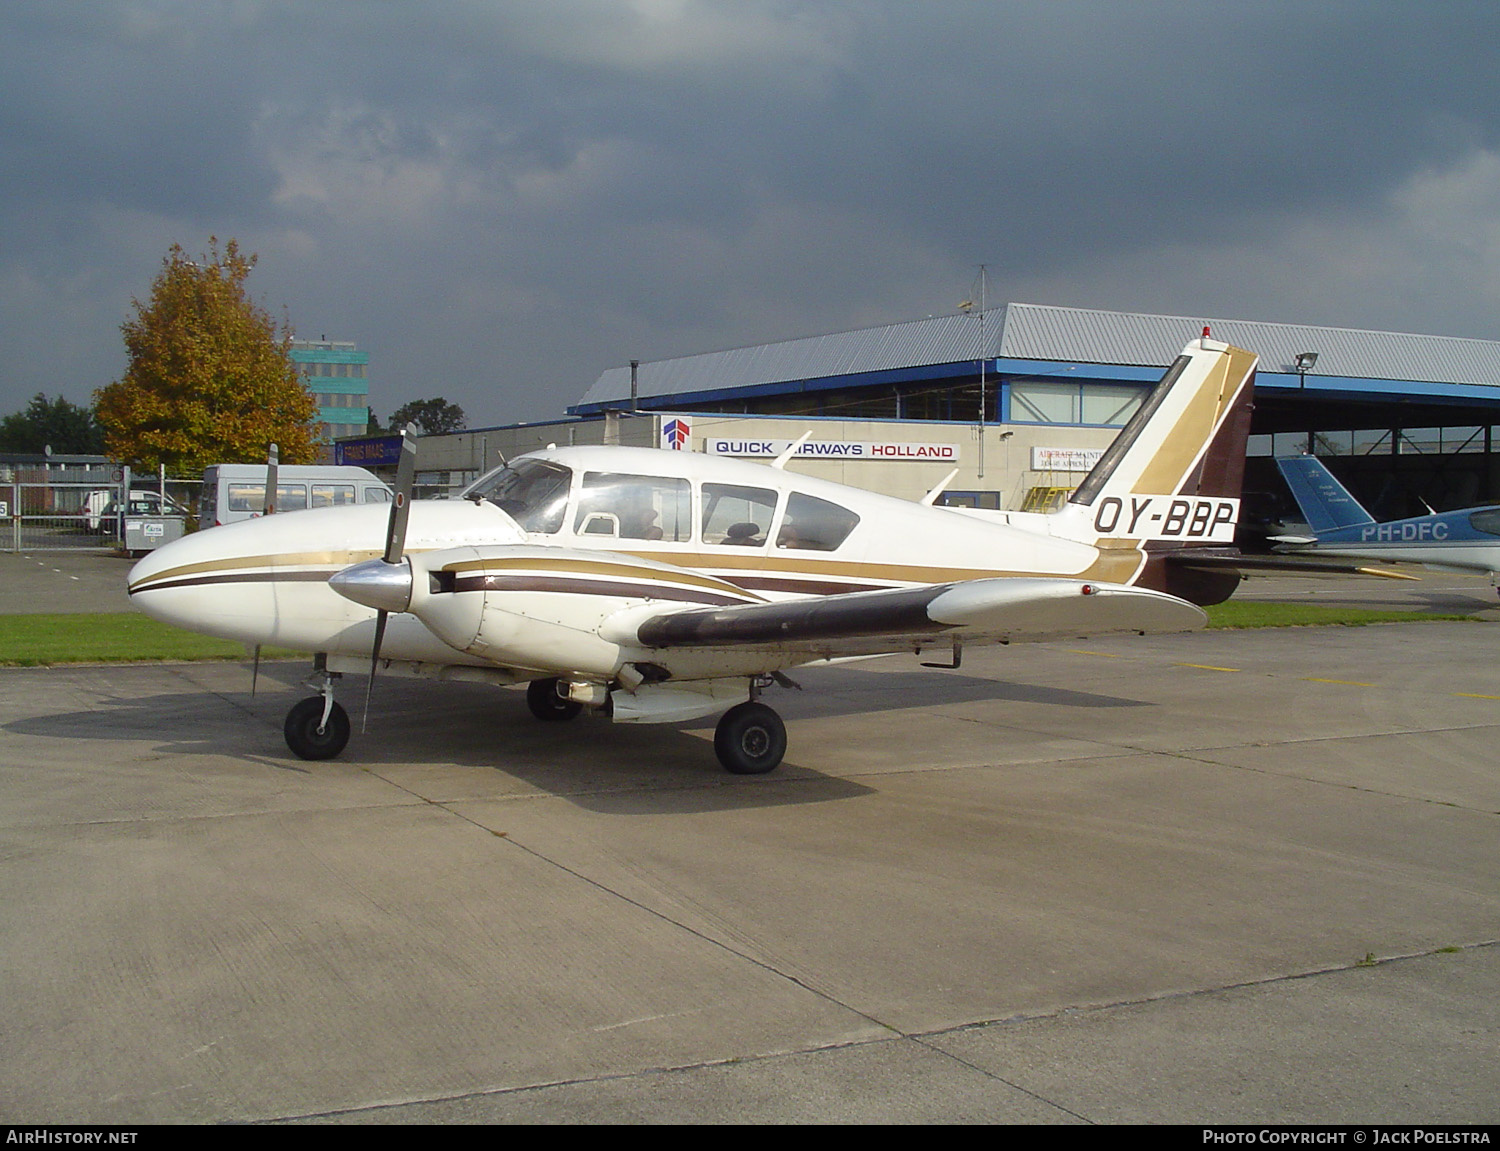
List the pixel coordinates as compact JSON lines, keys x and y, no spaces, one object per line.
{"x":1325,"y":502}
{"x":1467,"y":540}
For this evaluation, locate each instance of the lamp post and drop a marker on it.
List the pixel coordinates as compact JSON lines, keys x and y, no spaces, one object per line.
{"x":1304,"y":363}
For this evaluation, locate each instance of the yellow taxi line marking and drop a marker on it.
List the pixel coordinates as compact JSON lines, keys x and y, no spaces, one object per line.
{"x":1345,"y":682}
{"x":1101,"y":654}
{"x":1206,"y":667}
{"x":1475,"y":695}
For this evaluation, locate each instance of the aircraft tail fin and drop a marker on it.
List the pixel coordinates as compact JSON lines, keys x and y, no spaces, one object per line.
{"x":1174,"y":472}
{"x":1325,"y":502}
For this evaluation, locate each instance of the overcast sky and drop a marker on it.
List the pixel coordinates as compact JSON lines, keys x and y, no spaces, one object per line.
{"x":498,"y":200}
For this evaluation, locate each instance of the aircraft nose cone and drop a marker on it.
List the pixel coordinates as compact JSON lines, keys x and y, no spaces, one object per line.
{"x":376,"y":584}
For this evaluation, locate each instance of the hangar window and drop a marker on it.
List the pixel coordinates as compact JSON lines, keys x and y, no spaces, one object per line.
{"x":1033,"y":402}
{"x":1110,"y":407}
{"x":814,"y":525}
{"x":1092,"y":405}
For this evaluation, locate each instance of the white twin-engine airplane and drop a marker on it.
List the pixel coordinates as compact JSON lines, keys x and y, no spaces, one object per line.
{"x":663,"y":586}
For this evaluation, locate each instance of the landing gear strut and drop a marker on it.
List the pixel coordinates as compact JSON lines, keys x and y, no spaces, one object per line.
{"x":546,"y":704}
{"x":318,"y":727}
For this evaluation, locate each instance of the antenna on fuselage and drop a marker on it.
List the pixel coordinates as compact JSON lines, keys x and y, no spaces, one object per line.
{"x":938,"y":489}
{"x":780,"y":462}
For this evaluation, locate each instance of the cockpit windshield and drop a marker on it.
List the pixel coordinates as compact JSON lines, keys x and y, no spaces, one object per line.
{"x":532,"y":492}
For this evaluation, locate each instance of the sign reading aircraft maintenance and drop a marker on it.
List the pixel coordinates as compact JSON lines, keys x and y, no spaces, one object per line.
{"x":1167,"y":518}
{"x":1064,"y":459}
{"x":833,"y":449}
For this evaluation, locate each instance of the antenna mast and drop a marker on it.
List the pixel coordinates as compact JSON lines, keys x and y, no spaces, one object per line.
{"x":983,"y":349}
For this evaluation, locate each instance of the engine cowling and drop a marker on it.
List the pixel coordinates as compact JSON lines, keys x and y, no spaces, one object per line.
{"x":526,"y":606}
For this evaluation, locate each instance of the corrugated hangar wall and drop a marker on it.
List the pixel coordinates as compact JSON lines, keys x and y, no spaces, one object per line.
{"x":1403,"y":418}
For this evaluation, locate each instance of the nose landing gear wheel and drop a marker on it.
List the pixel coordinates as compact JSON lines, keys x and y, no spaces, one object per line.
{"x":303,"y":736}
{"x":750,"y":739}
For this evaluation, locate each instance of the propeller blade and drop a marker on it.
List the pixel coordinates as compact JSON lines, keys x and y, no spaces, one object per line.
{"x":406,"y":474}
{"x":272,"y":460}
{"x":395,"y":548}
{"x":380,"y":618}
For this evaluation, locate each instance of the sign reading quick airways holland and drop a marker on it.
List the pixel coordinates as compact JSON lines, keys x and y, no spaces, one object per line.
{"x":834,"y":449}
{"x":675,"y":434}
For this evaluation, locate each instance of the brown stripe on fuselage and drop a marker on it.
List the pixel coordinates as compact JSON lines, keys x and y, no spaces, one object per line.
{"x":234,"y":577}
{"x":235,"y":565}
{"x":602,"y":566}
{"x":573,"y":585}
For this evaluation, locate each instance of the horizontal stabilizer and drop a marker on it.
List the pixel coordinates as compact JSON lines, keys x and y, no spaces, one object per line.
{"x":1288,"y":565}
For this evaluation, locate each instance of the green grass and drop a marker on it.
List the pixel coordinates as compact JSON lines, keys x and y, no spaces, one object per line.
{"x":1248,"y":613}
{"x":34,"y":640}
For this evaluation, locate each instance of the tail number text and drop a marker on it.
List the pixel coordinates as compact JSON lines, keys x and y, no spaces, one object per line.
{"x":1210,"y":520}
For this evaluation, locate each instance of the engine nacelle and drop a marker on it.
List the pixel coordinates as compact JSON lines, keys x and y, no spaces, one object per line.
{"x":545,"y":608}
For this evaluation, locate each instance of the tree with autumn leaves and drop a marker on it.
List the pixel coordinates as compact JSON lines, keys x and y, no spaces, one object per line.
{"x":210,"y":378}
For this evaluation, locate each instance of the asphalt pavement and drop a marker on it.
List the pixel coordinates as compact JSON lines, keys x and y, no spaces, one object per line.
{"x":1226,"y":877}
{"x":34,"y":582}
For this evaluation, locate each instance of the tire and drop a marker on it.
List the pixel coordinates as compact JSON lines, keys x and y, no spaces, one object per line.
{"x":546,"y":704}
{"x":750,"y":739}
{"x":303,"y":736}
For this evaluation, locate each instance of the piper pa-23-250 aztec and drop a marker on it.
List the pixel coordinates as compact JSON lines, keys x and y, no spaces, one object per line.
{"x":666,"y":586}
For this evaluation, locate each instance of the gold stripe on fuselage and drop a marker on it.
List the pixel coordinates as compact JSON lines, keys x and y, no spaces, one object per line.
{"x":1113,"y":564}
{"x":234,"y":565}
{"x":1119,"y":563}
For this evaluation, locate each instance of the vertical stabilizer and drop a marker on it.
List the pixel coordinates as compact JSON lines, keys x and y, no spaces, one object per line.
{"x":1174,"y":472}
{"x":1325,"y":502}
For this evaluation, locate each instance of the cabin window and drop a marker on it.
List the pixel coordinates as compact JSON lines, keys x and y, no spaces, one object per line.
{"x":631,"y":507}
{"x":1487,"y":521}
{"x":532,"y":492}
{"x":737,"y":516}
{"x":812,"y":524}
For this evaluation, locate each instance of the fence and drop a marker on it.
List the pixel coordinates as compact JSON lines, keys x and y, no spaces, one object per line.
{"x":78,"y":509}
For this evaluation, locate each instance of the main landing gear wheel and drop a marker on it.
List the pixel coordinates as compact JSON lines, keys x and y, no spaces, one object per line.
{"x":309,"y":737}
{"x":545,"y":703}
{"x":750,"y":739}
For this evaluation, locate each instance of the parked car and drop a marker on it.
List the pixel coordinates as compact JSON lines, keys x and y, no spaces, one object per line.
{"x":143,"y":502}
{"x":94,"y":504}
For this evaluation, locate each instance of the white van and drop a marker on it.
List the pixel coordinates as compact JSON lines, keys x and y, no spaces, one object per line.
{"x":234,"y":492}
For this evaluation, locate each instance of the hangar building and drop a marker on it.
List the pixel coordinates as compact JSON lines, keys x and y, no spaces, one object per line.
{"x":1020,"y":399}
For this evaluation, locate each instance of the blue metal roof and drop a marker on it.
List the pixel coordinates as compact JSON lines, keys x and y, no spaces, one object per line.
{"x":1043,"y":334}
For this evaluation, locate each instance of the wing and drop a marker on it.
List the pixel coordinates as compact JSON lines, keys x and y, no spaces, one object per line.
{"x":982,"y":611}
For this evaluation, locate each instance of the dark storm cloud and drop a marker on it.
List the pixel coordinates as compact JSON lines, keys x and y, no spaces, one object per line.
{"x":502,"y":199}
